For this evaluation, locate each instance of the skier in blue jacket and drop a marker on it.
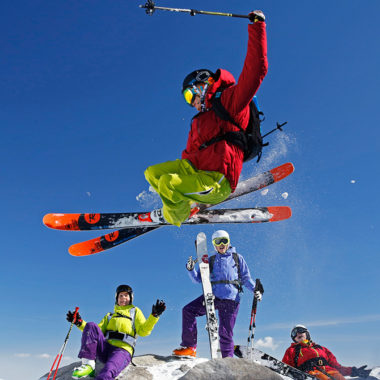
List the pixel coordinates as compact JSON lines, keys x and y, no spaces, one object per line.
{"x":228,"y":272}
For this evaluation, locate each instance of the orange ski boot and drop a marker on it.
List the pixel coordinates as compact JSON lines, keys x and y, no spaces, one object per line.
{"x":185,"y":352}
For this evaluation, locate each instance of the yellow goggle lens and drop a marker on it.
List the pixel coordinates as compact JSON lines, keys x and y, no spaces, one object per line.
{"x":188,"y":95}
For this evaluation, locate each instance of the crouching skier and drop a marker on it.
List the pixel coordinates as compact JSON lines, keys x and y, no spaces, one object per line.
{"x":113,"y":340}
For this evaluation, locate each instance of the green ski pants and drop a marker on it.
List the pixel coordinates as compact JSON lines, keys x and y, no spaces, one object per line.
{"x":179,"y":185}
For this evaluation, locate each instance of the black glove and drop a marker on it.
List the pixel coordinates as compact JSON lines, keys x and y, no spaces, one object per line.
{"x":360,"y":372}
{"x":70,"y":318}
{"x":190,"y":263}
{"x":256,"y":16}
{"x":259,"y":286}
{"x":158,"y":308}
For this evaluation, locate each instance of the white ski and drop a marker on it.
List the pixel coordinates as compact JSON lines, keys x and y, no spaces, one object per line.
{"x":212,"y":321}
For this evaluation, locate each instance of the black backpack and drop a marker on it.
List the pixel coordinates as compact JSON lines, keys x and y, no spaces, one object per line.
{"x":249,"y":140}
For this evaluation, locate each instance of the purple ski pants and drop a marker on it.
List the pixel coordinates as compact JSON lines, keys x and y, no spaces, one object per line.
{"x":227,"y":313}
{"x":94,"y":346}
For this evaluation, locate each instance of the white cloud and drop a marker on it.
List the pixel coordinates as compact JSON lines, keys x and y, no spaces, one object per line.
{"x":22,"y":355}
{"x":267,"y":342}
{"x":331,"y":322}
{"x":43,"y":356}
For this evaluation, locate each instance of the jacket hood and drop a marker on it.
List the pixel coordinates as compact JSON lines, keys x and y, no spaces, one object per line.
{"x":223,"y":78}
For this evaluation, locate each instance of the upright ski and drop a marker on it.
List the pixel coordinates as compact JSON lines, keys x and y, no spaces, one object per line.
{"x":121,"y":236}
{"x":212,"y":322}
{"x":272,"y":363}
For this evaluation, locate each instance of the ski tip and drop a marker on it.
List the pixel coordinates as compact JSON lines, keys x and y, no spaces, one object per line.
{"x":86,"y":248}
{"x":49,"y":220}
{"x":282,"y":171}
{"x":280,"y":213}
{"x":61,"y":221}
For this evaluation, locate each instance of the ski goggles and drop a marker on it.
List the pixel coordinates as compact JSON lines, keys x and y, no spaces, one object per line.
{"x":189,"y":93}
{"x":220,"y":241}
{"x":297,"y":330}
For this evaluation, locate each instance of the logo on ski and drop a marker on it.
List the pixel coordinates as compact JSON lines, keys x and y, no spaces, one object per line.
{"x":205,"y":259}
{"x":112,"y":236}
{"x":92,"y":218}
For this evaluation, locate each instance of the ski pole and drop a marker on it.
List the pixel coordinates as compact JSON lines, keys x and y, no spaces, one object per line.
{"x":150,"y":8}
{"x":279,"y":126}
{"x":252,"y":324}
{"x":62,"y":350}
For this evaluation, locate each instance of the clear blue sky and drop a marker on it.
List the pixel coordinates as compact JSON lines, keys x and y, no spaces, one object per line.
{"x":90,"y":96}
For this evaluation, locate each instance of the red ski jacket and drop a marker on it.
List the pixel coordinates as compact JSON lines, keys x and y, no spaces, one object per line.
{"x":310,"y":353}
{"x":221,"y":156}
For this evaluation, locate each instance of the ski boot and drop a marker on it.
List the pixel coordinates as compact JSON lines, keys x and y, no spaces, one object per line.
{"x":185,"y":352}
{"x":83,"y":371}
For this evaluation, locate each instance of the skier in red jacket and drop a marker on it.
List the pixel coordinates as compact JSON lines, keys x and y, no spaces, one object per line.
{"x":317,"y":360}
{"x":209,"y":174}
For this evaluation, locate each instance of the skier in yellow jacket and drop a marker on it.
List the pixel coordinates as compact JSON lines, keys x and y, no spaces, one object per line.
{"x":113,"y":340}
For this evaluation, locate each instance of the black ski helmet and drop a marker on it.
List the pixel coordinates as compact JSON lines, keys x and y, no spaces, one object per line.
{"x":299,"y":329}
{"x":197,"y":76}
{"x":124,"y":288}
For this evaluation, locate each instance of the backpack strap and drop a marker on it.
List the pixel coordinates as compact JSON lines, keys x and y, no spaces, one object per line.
{"x":237,"y":262}
{"x":211,"y":261}
{"x":297,"y":354}
{"x":223,"y":114}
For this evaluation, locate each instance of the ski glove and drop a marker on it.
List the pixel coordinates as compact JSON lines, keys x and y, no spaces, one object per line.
{"x":256,"y":16}
{"x":190,"y":263}
{"x":158,"y":308}
{"x":70,"y":318}
{"x":360,"y":372}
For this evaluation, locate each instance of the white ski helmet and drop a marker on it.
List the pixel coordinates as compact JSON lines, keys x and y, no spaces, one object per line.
{"x":220,"y":234}
{"x":299,"y":329}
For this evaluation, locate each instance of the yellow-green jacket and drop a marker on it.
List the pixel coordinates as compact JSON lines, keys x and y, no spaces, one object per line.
{"x":120,"y":321}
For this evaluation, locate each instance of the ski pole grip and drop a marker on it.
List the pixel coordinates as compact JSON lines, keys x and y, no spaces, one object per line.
{"x":75,"y":314}
{"x":259,"y":286}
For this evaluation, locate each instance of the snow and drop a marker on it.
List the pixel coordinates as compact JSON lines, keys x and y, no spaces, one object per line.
{"x":171,"y":370}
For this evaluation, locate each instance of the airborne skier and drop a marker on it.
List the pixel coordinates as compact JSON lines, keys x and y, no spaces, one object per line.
{"x":209,"y":170}
{"x":228,"y":271}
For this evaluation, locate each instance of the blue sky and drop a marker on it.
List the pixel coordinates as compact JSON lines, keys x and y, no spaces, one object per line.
{"x":90,"y":96}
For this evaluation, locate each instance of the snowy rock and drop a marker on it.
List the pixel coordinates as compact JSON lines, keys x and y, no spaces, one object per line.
{"x":230,"y":369}
{"x":155,"y":367}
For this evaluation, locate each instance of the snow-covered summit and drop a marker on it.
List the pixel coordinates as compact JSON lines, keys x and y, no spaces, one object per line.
{"x":155,"y":367}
